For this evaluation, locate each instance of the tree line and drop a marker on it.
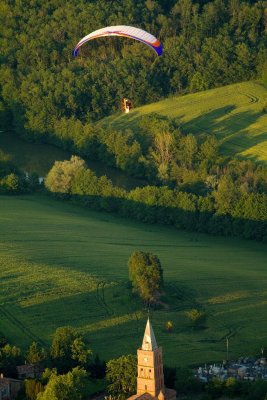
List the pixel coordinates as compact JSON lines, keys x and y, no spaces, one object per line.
{"x":13,"y":180}
{"x":230,"y":208}
{"x":189,"y":184}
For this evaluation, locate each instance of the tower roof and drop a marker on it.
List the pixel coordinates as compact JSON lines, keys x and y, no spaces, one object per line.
{"x":149,"y":341}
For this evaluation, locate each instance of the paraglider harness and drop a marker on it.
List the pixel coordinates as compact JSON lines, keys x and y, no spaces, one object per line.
{"x":126,"y":105}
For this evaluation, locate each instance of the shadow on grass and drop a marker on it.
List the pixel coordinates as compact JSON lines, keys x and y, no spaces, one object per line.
{"x":116,"y":311}
{"x":229,"y":126}
{"x":231,"y":129}
{"x":123,"y":121}
{"x":179,"y":296}
{"x":88,"y":312}
{"x":194,"y":221}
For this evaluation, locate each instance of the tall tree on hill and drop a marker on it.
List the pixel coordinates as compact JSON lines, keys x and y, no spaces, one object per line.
{"x":121,"y":375}
{"x":35,"y":353}
{"x":10,"y":356}
{"x":146,"y":275}
{"x":68,"y":349}
{"x":226,"y":195}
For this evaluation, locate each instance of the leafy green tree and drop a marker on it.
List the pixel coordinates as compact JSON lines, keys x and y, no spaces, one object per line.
{"x":32,"y":388}
{"x":226,"y":195}
{"x":35,"y":353}
{"x":79,"y":351}
{"x":146,"y":274}
{"x":65,"y":387}
{"x":62,"y":342}
{"x":11,"y":183}
{"x":68,"y":348}
{"x":124,"y":148}
{"x":188,"y":150}
{"x":163,"y":153}
{"x":169,"y":326}
{"x":209,"y":149}
{"x":48,"y":372}
{"x":215,"y":387}
{"x":122,"y":376}
{"x":233,"y":387}
{"x":60,"y":177}
{"x":197,"y":83}
{"x":196,"y":317}
{"x":10,"y":357}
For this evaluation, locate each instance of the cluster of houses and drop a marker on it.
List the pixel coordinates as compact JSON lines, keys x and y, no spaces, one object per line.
{"x":247,"y":368}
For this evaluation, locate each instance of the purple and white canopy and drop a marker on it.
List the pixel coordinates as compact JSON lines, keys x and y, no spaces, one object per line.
{"x":125,"y":31}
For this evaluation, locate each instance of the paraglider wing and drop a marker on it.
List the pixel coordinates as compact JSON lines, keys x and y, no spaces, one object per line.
{"x":126,"y":31}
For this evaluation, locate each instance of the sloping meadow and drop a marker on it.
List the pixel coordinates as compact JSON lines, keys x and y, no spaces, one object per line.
{"x":62,"y":265}
{"x":234,"y":114}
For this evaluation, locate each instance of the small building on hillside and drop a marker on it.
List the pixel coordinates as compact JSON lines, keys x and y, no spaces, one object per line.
{"x":150,"y":379}
{"x":9,"y":388}
{"x":29,"y":371}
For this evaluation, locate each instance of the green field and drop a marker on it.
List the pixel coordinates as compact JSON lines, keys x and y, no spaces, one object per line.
{"x":233,"y":113}
{"x":63,"y":265}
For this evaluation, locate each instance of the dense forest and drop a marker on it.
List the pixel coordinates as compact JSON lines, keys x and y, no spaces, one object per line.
{"x":206,"y":44}
{"x":48,"y":95}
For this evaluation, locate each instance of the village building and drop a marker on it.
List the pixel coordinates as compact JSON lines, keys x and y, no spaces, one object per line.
{"x":246,"y":368}
{"x":9,"y":388}
{"x":150,"y":379}
{"x":26,"y":371}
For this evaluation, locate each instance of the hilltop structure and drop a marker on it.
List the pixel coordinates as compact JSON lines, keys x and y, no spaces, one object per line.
{"x":150,"y":379}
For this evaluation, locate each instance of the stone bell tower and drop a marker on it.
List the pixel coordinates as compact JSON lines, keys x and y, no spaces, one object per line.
{"x":150,"y":366}
{"x":150,"y":379}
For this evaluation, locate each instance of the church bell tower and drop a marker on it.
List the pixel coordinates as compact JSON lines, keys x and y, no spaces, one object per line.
{"x":150,"y":377}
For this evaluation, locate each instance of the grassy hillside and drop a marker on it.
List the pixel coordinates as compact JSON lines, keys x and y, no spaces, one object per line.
{"x":233,"y":113}
{"x":63,"y":265}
